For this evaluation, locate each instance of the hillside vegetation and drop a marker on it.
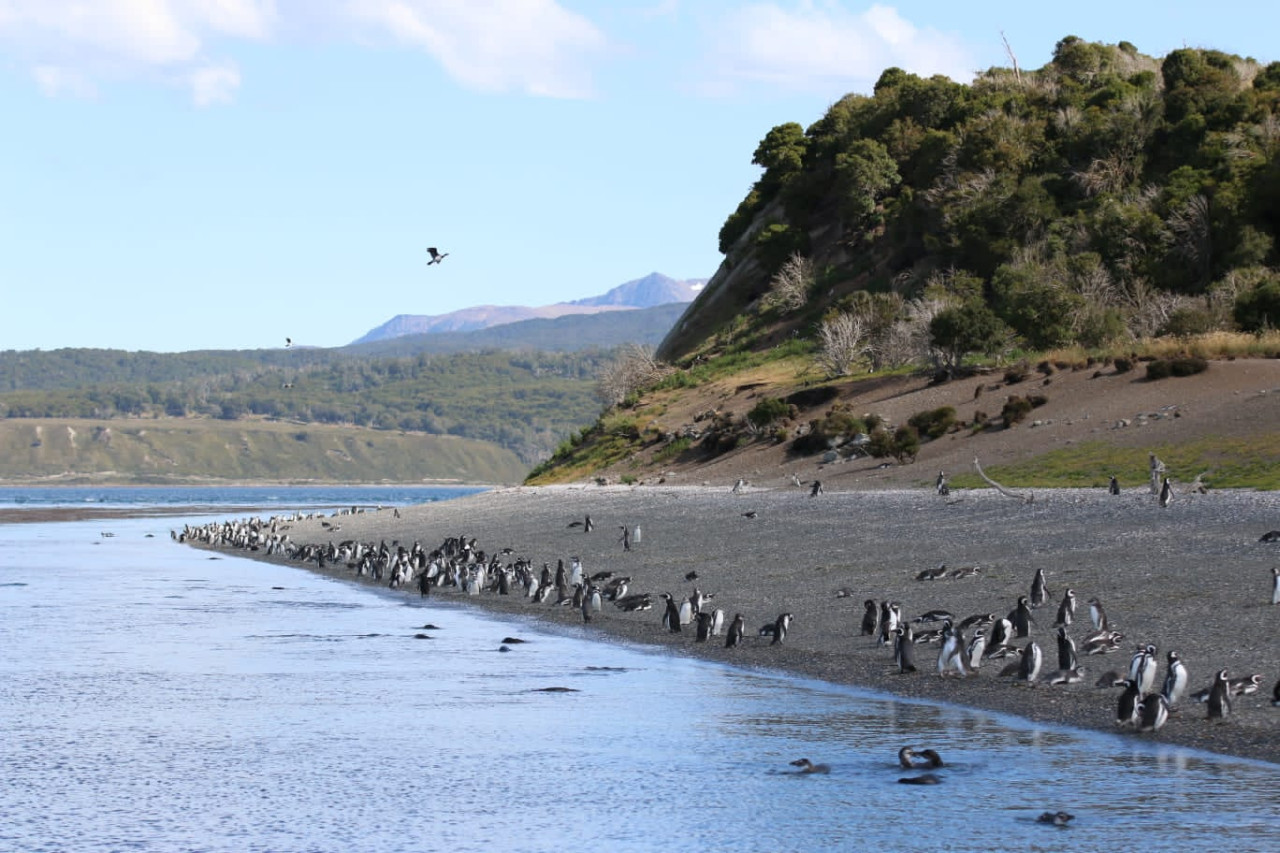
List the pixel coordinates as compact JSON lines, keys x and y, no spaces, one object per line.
{"x":1110,"y":211}
{"x":175,"y":450}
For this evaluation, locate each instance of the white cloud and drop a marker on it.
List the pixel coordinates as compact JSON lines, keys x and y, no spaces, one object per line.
{"x":70,"y":43}
{"x":534,"y":46}
{"x":817,"y":46}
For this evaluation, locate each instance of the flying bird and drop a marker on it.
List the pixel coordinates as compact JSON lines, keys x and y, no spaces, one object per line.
{"x":436,"y":256}
{"x":288,"y":342}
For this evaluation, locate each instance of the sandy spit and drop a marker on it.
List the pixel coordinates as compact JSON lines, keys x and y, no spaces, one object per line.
{"x":1192,"y":577}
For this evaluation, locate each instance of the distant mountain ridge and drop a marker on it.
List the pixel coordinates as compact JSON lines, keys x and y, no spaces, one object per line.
{"x":652,"y":290}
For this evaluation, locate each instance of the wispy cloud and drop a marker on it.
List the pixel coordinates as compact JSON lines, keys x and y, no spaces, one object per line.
{"x":532,"y":46}
{"x":818,"y":46}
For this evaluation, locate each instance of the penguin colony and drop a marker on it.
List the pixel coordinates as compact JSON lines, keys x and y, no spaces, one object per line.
{"x":1019,"y":645}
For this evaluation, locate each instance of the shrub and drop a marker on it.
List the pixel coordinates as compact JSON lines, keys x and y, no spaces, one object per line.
{"x":1188,"y":366}
{"x":1015,"y":374}
{"x":808,"y":398}
{"x":1123,"y":365}
{"x":1158,"y":369}
{"x":1015,"y":409}
{"x":1037,"y":400}
{"x":836,"y":427}
{"x":934,"y":422}
{"x":768,"y":410}
{"x":906,"y":444}
{"x":1045,"y":367}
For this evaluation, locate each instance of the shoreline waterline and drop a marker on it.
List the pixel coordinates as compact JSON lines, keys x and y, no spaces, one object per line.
{"x":1168,"y":576}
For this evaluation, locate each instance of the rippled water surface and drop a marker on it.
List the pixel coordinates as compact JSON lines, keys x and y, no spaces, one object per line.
{"x":155,"y":698}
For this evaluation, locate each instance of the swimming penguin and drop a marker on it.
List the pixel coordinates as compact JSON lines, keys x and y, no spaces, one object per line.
{"x":1113,"y":485}
{"x":1056,"y":818}
{"x":807,"y":766}
{"x":1039,"y":589}
{"x":1153,"y":712}
{"x":1127,"y":707}
{"x":928,"y":758}
{"x":922,"y":779}
{"x":903,"y":655}
{"x":1166,"y":493}
{"x":1067,"y":609}
{"x":1066,"y":651}
{"x":1021,"y":619}
{"x":870,"y":617}
{"x":736,"y":627}
{"x":973,"y":653}
{"x":1220,"y":697}
{"x":1029,"y":666}
{"x":1175,"y":679}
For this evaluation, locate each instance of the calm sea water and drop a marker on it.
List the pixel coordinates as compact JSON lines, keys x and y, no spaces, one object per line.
{"x":155,"y":697}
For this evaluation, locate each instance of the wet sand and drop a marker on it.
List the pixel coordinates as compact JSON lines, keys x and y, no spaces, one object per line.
{"x":1192,"y":578}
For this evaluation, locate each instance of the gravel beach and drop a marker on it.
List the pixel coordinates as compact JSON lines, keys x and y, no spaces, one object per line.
{"x":1192,"y":578}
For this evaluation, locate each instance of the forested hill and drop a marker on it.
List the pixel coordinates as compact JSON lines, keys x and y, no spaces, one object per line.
{"x":1107,"y":196}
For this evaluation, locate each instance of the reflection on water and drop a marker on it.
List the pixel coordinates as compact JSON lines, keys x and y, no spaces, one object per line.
{"x":270,"y":709}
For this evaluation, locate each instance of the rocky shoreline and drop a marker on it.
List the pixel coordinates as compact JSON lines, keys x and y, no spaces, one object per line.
{"x":1192,"y":578}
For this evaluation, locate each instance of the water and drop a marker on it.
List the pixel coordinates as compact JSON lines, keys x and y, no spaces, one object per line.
{"x":155,"y":698}
{"x":270,"y":498}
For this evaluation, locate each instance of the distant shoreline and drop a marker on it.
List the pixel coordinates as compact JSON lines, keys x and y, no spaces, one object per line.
{"x":1167,"y":576}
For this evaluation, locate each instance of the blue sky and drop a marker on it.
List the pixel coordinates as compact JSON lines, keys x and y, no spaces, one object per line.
{"x":209,"y":174}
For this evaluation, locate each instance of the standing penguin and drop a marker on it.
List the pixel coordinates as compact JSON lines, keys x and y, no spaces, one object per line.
{"x":870,"y":617}
{"x":1127,"y":707}
{"x":1153,"y":712}
{"x":1220,"y":697}
{"x":1166,"y":493}
{"x":1066,"y":650}
{"x":1001,"y":633}
{"x":1097,"y":615}
{"x":903,"y":643}
{"x":816,"y":489}
{"x":1029,"y":665}
{"x":1113,"y":485}
{"x":1142,"y":668}
{"x":1039,"y":589}
{"x":736,"y":627}
{"x":1275,"y":585}
{"x":1175,"y":679}
{"x":780,"y":627}
{"x":977,"y":646}
{"x":1020,"y":616}
{"x":1067,"y":609}
{"x":703,"y":627}
{"x":717,"y":622}
{"x":671,"y":614}
{"x":952,"y":652}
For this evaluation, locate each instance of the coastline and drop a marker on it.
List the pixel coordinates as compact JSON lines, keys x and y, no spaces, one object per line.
{"x":1192,"y":577}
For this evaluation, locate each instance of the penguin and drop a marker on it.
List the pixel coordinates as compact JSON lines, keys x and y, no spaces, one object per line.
{"x":1220,"y":697}
{"x":1127,"y":707}
{"x":704,"y":627}
{"x":1001,"y":634}
{"x":928,"y":759}
{"x":671,"y":615}
{"x":588,"y":525}
{"x":1166,"y":493}
{"x":940,"y":484}
{"x":952,"y":651}
{"x":975,"y":649}
{"x":1029,"y":666}
{"x":1066,"y":651}
{"x":1113,"y":485}
{"x":922,"y":779}
{"x":1097,"y":615}
{"x":1021,"y":619}
{"x":903,"y":655}
{"x":1067,"y":676}
{"x":1175,"y":679}
{"x":717,"y":622}
{"x":1056,"y":818}
{"x":584,"y":604}
{"x":1153,"y":712}
{"x":736,"y":628}
{"x":870,"y":617}
{"x":816,"y":489}
{"x":1142,"y":668}
{"x":1244,"y":686}
{"x":685,"y":613}
{"x":1275,"y":585}
{"x":1275,"y":695}
{"x":889,"y":619}
{"x":780,"y":628}
{"x":1039,"y":589}
{"x":1067,"y":609}
{"x":807,"y":766}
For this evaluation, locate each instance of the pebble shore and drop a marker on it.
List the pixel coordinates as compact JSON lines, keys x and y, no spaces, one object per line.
{"x":1192,"y":577}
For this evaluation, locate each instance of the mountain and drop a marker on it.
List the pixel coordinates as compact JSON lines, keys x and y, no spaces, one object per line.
{"x":652,"y":290}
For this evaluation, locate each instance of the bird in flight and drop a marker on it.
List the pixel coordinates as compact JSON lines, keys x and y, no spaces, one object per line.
{"x":436,"y":256}
{"x":288,"y":342}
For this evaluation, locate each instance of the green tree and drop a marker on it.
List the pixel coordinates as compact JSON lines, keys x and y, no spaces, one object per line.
{"x":971,"y":327}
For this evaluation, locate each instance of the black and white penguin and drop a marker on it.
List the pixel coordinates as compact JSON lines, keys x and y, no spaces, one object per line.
{"x":1039,"y":589}
{"x":1175,"y":679}
{"x":780,"y":627}
{"x":1275,"y":585}
{"x":736,"y":628}
{"x":717,"y":622}
{"x":1220,"y":697}
{"x":909,"y":759}
{"x":1246,"y":686}
{"x":1066,"y":651}
{"x":1127,"y":707}
{"x":1097,"y":615}
{"x":671,"y":614}
{"x":807,"y":766}
{"x":952,"y":652}
{"x":870,"y":617}
{"x":977,"y":646}
{"x":940,"y":484}
{"x":1021,"y":619}
{"x":1001,"y":634}
{"x":1066,"y":609}
{"x":1029,"y":666}
{"x":903,"y":656}
{"x":1142,"y":668}
{"x":890,"y":617}
{"x":1166,"y":493}
{"x":816,"y":489}
{"x":1113,"y":485}
{"x":1056,"y":818}
{"x":1153,"y":712}
{"x":1275,"y":695}
{"x":703,"y":630}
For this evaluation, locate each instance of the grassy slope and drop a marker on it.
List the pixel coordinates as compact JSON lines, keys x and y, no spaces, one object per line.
{"x":184,"y":449}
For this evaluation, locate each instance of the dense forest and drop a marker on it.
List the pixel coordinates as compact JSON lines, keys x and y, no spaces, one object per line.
{"x":1106,"y":196}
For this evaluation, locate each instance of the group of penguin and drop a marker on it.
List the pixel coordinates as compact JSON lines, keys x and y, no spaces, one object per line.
{"x":1139,"y":707}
